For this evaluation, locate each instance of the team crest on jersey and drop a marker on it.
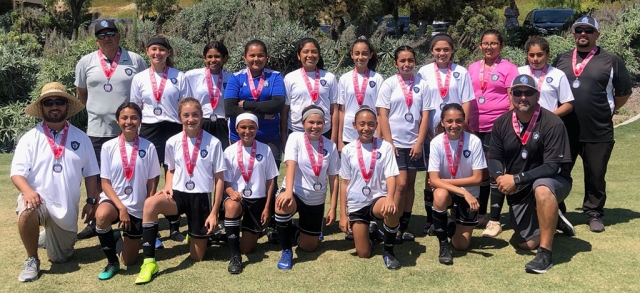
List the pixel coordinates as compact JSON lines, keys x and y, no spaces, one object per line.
{"x":203,"y":153}
{"x":524,"y":79}
{"x":456,"y":74}
{"x":75,"y":145}
{"x":259,"y":157}
{"x":549,"y":79}
{"x":466,"y":153}
{"x":416,"y":89}
{"x":174,"y":80}
{"x":536,"y":136}
{"x":266,"y":83}
{"x":128,"y":71}
{"x":494,"y":77}
{"x":372,"y":84}
{"x":142,"y":153}
{"x":323,"y":82}
{"x":325,"y":152}
{"x":378,"y":155}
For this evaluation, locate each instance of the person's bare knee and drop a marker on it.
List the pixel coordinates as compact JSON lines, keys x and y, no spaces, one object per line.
{"x":530,"y":244}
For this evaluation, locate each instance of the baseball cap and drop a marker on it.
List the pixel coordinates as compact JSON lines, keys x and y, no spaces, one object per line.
{"x":524,"y":80}
{"x":105,"y":24}
{"x":585,"y":21}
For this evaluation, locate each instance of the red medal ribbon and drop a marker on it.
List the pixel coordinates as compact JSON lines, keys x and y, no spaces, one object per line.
{"x":444,"y":90}
{"x":214,"y":92}
{"x":316,"y":164}
{"x":252,"y":158}
{"x":114,"y":63}
{"x":315,"y":91}
{"x":128,"y":165}
{"x":577,"y":69}
{"x":255,"y":92}
{"x":55,"y":148}
{"x":532,"y":124}
{"x":157,"y":91}
{"x":453,"y":163}
{"x":483,"y":84}
{"x":406,"y":90}
{"x":360,"y":92}
{"x":190,"y":161}
{"x":372,"y":165}
{"x":542,"y":75}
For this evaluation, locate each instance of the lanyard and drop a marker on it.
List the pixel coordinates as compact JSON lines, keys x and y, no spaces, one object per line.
{"x":190,"y":161}
{"x":255,"y":92}
{"x":157,"y":91}
{"x":360,"y":92}
{"x":214,"y":92}
{"x":316,"y":164}
{"x":579,"y":67}
{"x":516,"y":126}
{"x":406,"y":90}
{"x":315,"y":91}
{"x":542,"y":75}
{"x":372,"y":164}
{"x":444,"y":89}
{"x":129,"y":166}
{"x":55,"y":148}
{"x":453,"y":163}
{"x":483,"y":84}
{"x":252,"y":158}
{"x":109,"y":71}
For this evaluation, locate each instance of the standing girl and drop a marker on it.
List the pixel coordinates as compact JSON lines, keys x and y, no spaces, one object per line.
{"x":367,"y":191}
{"x":312,"y":164}
{"x":129,"y":169}
{"x":456,"y":166}
{"x":405,"y":102}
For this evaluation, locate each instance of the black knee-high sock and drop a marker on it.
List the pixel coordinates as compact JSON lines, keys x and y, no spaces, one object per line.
{"x":149,"y":233}
{"x":272,"y":204}
{"x":108,"y":243}
{"x":232,"y":228}
{"x":174,"y":224}
{"x":428,"y":204}
{"x":404,"y":221}
{"x":390,"y":237}
{"x":440,"y":224}
{"x":484,"y":198}
{"x":451,"y":227}
{"x":285,"y":232}
{"x":497,"y":201}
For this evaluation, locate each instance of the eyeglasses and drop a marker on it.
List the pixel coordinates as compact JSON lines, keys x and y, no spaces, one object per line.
{"x":528,"y":93}
{"x":586,"y":30}
{"x":489,"y":45}
{"x":104,"y":35}
{"x":58,"y":102}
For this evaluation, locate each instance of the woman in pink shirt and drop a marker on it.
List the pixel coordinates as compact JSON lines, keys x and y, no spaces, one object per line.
{"x":490,"y":77}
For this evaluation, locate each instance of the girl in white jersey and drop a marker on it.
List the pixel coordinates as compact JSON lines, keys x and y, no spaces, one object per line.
{"x":129,"y":170}
{"x":456,"y":164}
{"x":368,"y":171}
{"x":405,"y":102}
{"x":196,"y":163}
{"x":449,"y":83}
{"x":249,"y":183}
{"x":312,"y":166}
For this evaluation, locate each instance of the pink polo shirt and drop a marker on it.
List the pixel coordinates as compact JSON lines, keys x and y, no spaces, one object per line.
{"x":494,"y":100}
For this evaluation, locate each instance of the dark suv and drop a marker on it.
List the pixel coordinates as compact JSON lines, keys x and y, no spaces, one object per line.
{"x":548,"y":21}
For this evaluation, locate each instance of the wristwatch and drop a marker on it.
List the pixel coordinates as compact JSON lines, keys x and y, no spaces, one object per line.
{"x":516,"y":179}
{"x":92,"y":200}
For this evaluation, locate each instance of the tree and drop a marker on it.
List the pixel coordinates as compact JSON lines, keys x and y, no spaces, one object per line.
{"x":72,"y":14}
{"x":163,"y":9}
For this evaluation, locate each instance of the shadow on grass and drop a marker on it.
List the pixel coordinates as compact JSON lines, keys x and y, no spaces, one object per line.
{"x":332,"y":245}
{"x":612,"y":217}
{"x":83,"y":255}
{"x":482,"y":243}
{"x":407,"y":252}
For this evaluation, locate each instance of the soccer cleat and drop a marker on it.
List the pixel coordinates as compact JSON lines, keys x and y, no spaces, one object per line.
{"x":159,"y":244}
{"x":321,"y":237}
{"x":564,"y":225}
{"x":390,"y":261}
{"x":177,"y":237}
{"x":348,"y":235}
{"x":285,"y":262}
{"x":541,"y":263}
{"x":596,"y":224}
{"x":235,"y":265}
{"x":108,"y":271}
{"x":31,"y":270}
{"x":493,"y":229}
{"x":408,"y":236}
{"x":399,"y":238}
{"x":148,"y":271}
{"x":426,"y":228}
{"x":272,"y":236}
{"x":444,"y":256}
{"x":375,"y":235}
{"x":88,"y":232}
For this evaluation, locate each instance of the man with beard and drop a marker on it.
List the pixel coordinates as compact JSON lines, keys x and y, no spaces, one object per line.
{"x":601,"y":85}
{"x":48,"y":166}
{"x":528,"y":159}
{"x":103,"y":82}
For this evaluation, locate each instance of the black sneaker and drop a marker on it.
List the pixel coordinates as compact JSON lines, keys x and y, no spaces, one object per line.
{"x":235,"y":265}
{"x":541,"y":263}
{"x":564,"y":225}
{"x":272,"y":236}
{"x":562,"y":207}
{"x":444,"y":256}
{"x":596,"y":224}
{"x":399,"y":239}
{"x":390,"y":261}
{"x":426,"y":227}
{"x":177,"y":237}
{"x":88,"y":232}
{"x":408,"y":236}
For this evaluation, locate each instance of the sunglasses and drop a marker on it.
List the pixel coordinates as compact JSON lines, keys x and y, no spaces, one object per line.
{"x":57,"y":102}
{"x":528,"y":93}
{"x":586,"y":30}
{"x":104,"y":35}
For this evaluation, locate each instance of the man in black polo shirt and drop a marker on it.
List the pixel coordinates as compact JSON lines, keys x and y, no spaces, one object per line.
{"x":601,"y":85}
{"x":528,"y":157}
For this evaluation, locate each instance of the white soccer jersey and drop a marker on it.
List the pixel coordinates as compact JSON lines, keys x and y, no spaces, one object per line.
{"x":176,"y":88}
{"x":347,"y":97}
{"x":555,"y":87}
{"x":33,"y":159}
{"x":200,"y":90}
{"x":404,"y":131}
{"x":460,"y":89}
{"x":386,"y":166}
{"x":472,"y":159}
{"x":264,"y":168}
{"x":298,"y":97}
{"x":210,"y":160}
{"x":303,"y":184}
{"x":111,"y":168}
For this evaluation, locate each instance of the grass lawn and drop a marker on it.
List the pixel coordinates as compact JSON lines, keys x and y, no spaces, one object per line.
{"x":587,"y":262}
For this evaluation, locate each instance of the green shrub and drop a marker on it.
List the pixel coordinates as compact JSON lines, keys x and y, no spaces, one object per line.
{"x":18,"y":66}
{"x":622,"y":37}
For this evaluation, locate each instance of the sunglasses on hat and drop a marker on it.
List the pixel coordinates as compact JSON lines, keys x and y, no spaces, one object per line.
{"x":58,"y":102}
{"x":528,"y":93}
{"x":586,"y":30}
{"x":101,"y":36}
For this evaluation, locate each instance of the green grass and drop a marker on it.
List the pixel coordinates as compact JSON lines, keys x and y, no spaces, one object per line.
{"x":589,"y":261}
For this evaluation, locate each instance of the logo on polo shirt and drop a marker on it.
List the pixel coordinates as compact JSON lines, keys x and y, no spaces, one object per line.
{"x":494,"y":77}
{"x":323,"y":82}
{"x":325,"y":152}
{"x":456,"y":74}
{"x":75,"y":145}
{"x":378,"y":155}
{"x":142,"y":153}
{"x":536,"y":135}
{"x":128,"y":71}
{"x":203,"y":153}
{"x":549,"y":79}
{"x":416,"y":89}
{"x":466,"y":153}
{"x":266,"y":83}
{"x":174,"y":80}
{"x":372,"y":84}
{"x":259,"y":157}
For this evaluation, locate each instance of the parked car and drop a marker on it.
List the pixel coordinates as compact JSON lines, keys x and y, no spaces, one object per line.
{"x":548,"y":21}
{"x":439,"y":27}
{"x":403,"y":24}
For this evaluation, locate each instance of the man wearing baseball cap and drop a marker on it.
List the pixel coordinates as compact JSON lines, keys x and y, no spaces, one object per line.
{"x":103,"y":82}
{"x":48,"y":166}
{"x":601,"y":85}
{"x":528,"y":157}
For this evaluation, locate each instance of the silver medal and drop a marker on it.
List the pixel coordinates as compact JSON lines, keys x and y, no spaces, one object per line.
{"x":408,"y":117}
{"x":481,"y":100}
{"x":524,"y":154}
{"x":366,"y":190}
{"x":157,"y":111}
{"x":317,"y":186}
{"x":190,"y":185}
{"x":128,"y":190}
{"x":107,"y":87}
{"x":57,"y":168}
{"x":576,"y":84}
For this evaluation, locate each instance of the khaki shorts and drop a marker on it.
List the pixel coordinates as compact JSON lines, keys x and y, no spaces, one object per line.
{"x":59,"y":242}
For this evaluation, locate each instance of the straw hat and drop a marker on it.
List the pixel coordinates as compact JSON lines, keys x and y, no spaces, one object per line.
{"x":54,"y":89}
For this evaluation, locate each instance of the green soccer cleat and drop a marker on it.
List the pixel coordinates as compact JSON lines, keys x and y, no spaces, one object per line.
{"x":148,"y":270}
{"x":108,"y":271}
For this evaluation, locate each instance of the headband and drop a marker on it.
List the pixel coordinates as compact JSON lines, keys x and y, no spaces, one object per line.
{"x":366,"y":108}
{"x":158,"y":41}
{"x":246,"y":116}
{"x":311,"y":112}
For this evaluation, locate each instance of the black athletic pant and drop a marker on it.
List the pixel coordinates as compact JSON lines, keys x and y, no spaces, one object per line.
{"x":595,"y":158}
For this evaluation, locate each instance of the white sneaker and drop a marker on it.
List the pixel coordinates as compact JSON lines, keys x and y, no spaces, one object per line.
{"x":493,"y":229}
{"x":31,"y":270}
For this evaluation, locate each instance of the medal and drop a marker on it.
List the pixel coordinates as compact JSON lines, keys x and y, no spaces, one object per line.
{"x":157,"y":111}
{"x":57,"y":150}
{"x":527,"y":134}
{"x":213,"y":117}
{"x":443,"y":89}
{"x":190,"y":185}
{"x":57,"y":168}
{"x":255,"y":93}
{"x":158,"y":90}
{"x":408,"y":96}
{"x":316,"y":164}
{"x":453,"y":163}
{"x":315,"y":91}
{"x":524,"y":154}
{"x":128,"y":166}
{"x":246,"y":192}
{"x":542,"y":75}
{"x":366,"y":190}
{"x":214,"y":92}
{"x":190,"y":161}
{"x":575,"y":84}
{"x":108,"y":71}
{"x":128,"y":190}
{"x":483,"y":83}
{"x":481,"y":100}
{"x":360,"y":92}
{"x":249,"y":171}
{"x":317,"y":186}
{"x":579,"y":67}
{"x":408,"y":117}
{"x":107,"y":87}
